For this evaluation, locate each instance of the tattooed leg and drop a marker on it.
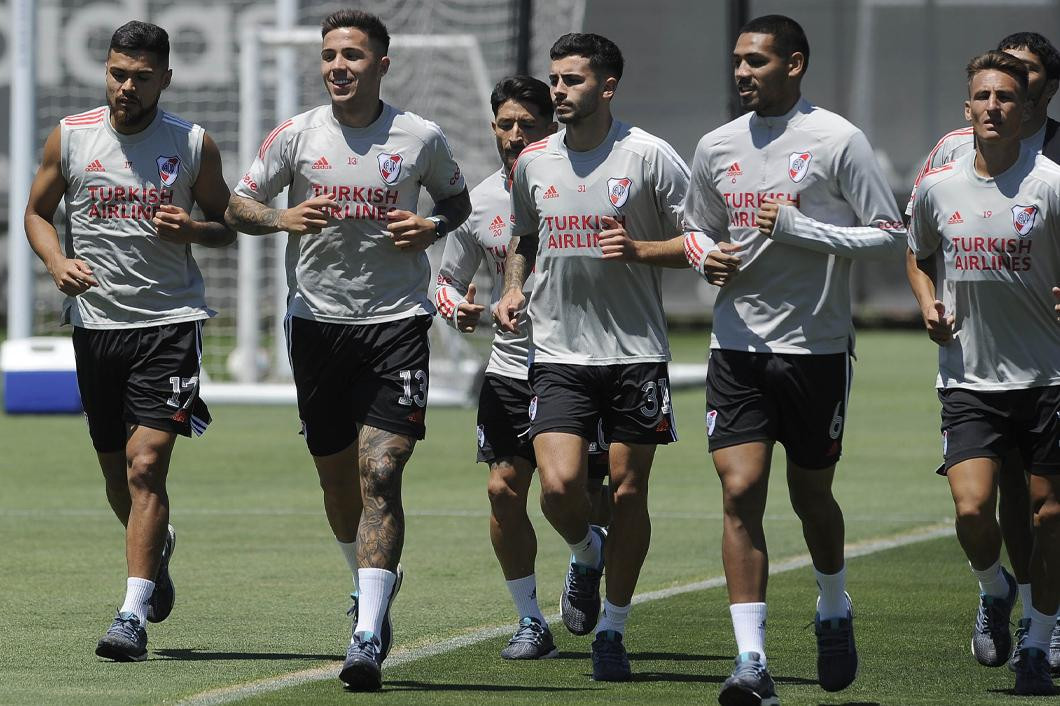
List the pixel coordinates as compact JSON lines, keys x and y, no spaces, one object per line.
{"x":382,"y":456}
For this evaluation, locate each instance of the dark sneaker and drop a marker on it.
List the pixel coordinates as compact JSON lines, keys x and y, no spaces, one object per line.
{"x":837,"y":657}
{"x":531,"y":640}
{"x":362,"y":671}
{"x":1021,"y":637}
{"x":991,"y":639}
{"x":125,"y":641}
{"x":749,"y":684}
{"x":1054,"y":648}
{"x":161,"y":603}
{"x":610,"y":662}
{"x":580,"y":601}
{"x":387,"y":633}
{"x":1032,"y":674}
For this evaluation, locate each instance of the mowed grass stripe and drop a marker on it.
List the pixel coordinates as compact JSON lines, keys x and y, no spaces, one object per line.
{"x":404,"y":656}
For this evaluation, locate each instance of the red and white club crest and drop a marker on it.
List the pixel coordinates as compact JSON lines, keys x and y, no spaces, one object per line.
{"x":168,"y":169}
{"x":1023,"y":218}
{"x":798,"y":165}
{"x":389,"y":167}
{"x":618,"y":191}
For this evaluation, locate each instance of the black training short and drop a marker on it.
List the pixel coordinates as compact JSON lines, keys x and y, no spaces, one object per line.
{"x":352,"y":374}
{"x":990,"y":424}
{"x":504,"y":424}
{"x":143,"y":376}
{"x":632,"y":401}
{"x":797,"y":399}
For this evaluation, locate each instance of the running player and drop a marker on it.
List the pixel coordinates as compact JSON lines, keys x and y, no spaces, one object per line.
{"x":129,"y":173}
{"x":992,"y":640}
{"x":994,"y":317}
{"x":359,"y":309}
{"x":585,"y":200}
{"x":522,"y":111}
{"x":782,"y":326}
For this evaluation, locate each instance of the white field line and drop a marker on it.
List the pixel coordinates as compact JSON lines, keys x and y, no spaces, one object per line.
{"x":401,"y":656}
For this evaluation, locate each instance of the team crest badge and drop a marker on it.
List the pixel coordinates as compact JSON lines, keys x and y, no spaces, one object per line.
{"x":481,"y":436}
{"x":618,"y":191}
{"x":389,"y":167}
{"x":533,"y":408}
{"x":798,"y":165}
{"x":712,"y":419}
{"x":168,"y":169}
{"x":1023,"y":218}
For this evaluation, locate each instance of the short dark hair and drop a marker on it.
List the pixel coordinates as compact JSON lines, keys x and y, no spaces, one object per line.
{"x":1039,"y":46}
{"x":358,"y":19}
{"x":525,"y":89}
{"x":139,"y":36}
{"x":788,"y":35}
{"x":998,"y":61}
{"x":603,"y":55}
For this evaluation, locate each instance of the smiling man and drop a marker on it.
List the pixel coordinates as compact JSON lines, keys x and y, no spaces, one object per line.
{"x":359,"y":309}
{"x":991,"y":217}
{"x":782,"y":337}
{"x":129,"y":173}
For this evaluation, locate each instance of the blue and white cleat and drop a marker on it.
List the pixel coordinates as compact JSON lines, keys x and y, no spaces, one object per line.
{"x":362,"y":670}
{"x":837,"y":657}
{"x":165,"y":594}
{"x":749,"y":684}
{"x":580,"y":601}
{"x":125,"y":641}
{"x":531,"y":640}
{"x":991,"y":639}
{"x":610,"y":661}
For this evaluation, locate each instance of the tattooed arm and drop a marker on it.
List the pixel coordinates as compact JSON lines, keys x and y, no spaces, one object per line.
{"x":382,"y":456}
{"x":518,"y":264}
{"x":255,"y":218}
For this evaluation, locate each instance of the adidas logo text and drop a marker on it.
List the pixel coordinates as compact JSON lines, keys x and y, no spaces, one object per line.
{"x":734,"y":171}
{"x":551,"y":193}
{"x":96,"y":166}
{"x":955,"y":218}
{"x":321,"y":163}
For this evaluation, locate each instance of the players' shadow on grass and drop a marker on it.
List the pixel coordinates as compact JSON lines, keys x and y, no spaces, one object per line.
{"x":660,"y":656}
{"x":195,"y":655}
{"x":409,"y":685}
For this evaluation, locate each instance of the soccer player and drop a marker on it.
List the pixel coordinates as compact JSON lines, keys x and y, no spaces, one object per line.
{"x":585,"y":202}
{"x":992,"y":641}
{"x":522,"y":110}
{"x":359,"y":310}
{"x":129,"y":173}
{"x":992,"y":308}
{"x":782,"y":327}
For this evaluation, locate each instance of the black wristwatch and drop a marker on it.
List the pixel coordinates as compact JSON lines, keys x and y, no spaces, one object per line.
{"x":441,"y":226}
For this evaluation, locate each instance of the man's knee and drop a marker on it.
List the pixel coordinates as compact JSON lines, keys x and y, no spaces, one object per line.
{"x":743,"y":493}
{"x":506,"y":500}
{"x":974,"y":510}
{"x":1047,"y":516}
{"x":146,"y":470}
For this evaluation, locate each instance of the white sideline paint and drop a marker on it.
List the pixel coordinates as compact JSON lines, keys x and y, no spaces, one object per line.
{"x":402,"y":656}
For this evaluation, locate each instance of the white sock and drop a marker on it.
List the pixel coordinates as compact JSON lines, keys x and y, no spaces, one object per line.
{"x":376,"y":585}
{"x":833,"y":599}
{"x":1025,"y":599}
{"x":991,"y":581}
{"x":524,"y":595}
{"x":614,"y":618}
{"x":137,"y":594}
{"x":349,"y":550}
{"x":587,"y":551}
{"x":749,"y":625}
{"x":1040,"y":631}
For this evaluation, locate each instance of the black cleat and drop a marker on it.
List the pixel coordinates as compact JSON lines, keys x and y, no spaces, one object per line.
{"x":164,"y":595}
{"x":362,"y":671}
{"x":125,"y":641}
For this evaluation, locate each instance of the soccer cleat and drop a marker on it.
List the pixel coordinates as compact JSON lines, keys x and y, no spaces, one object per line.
{"x":1054,"y":647}
{"x":531,"y":640}
{"x":387,"y":633}
{"x":162,"y":598}
{"x":991,"y":639}
{"x":610,"y":662}
{"x":1032,"y":674}
{"x":580,"y":601}
{"x":837,"y":657}
{"x":125,"y":641}
{"x":749,"y":684}
{"x":1021,"y":637}
{"x":362,"y":670}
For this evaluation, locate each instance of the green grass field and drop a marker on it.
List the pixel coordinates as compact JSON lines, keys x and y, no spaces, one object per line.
{"x":262,"y":588}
